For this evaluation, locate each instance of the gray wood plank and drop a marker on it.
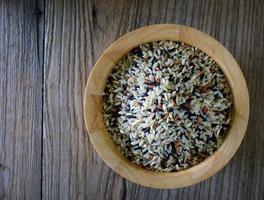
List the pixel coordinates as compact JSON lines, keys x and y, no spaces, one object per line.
{"x":20,"y":101}
{"x":77,"y":32}
{"x":71,"y":168}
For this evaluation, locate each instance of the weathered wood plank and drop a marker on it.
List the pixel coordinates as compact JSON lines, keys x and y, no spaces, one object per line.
{"x":71,"y":169}
{"x":77,"y":32}
{"x":20,"y":101}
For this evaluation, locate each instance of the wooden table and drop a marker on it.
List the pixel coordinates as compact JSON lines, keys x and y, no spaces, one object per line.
{"x":47,"y":50}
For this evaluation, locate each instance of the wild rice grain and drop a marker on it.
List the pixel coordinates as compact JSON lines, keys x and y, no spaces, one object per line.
{"x":167,"y":106}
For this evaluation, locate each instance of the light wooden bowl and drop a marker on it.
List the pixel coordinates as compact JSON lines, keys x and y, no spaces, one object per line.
{"x":93,"y":106}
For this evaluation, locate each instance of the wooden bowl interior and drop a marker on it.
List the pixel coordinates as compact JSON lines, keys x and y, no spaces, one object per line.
{"x":98,"y":132}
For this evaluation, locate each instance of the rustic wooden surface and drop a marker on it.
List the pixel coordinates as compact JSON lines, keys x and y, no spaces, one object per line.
{"x":46,"y":53}
{"x":20,"y":101}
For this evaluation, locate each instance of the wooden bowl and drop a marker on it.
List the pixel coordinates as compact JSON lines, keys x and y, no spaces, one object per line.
{"x":93,"y":106}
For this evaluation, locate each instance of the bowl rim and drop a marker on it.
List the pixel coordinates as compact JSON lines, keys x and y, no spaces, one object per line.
{"x":98,"y":132}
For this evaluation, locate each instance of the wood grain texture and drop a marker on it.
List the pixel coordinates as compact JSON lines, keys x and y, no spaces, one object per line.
{"x":71,"y":169}
{"x":75,"y":34}
{"x":98,"y":23}
{"x":20,"y":101}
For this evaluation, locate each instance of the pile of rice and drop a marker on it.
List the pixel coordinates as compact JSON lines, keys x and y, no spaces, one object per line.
{"x":167,"y":106}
